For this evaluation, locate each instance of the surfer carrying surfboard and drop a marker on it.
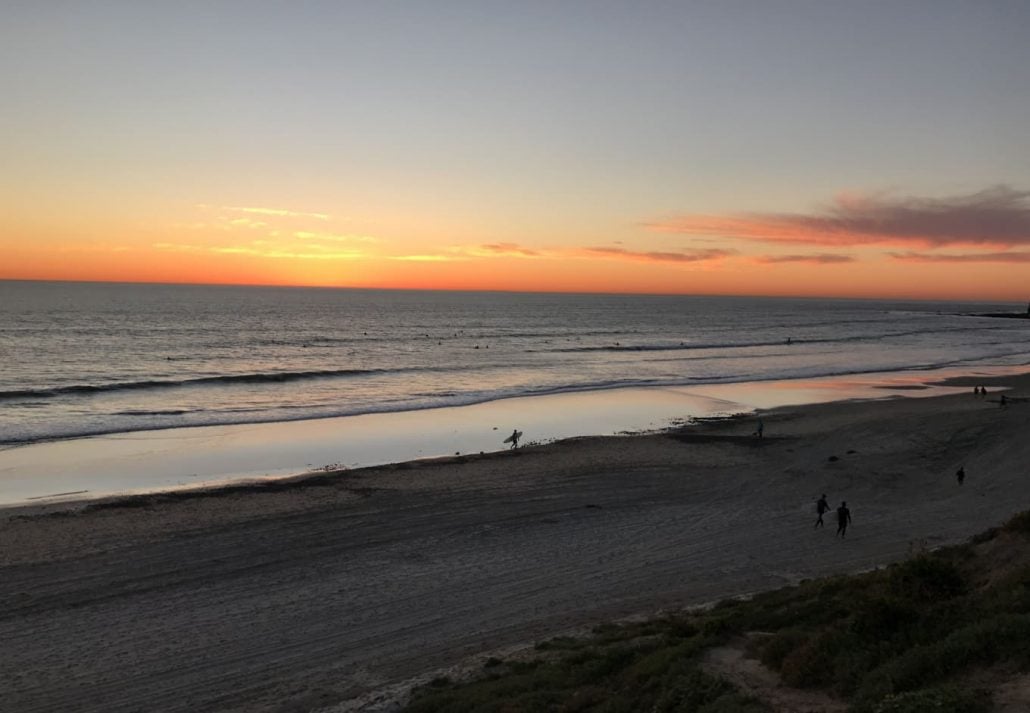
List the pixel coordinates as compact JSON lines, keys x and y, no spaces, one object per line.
{"x":513,"y":439}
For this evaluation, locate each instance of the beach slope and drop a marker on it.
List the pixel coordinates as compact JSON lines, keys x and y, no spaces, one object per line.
{"x":312,"y":593}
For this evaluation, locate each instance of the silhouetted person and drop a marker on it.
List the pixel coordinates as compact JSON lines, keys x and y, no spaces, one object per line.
{"x":759,"y":429}
{"x":514,"y":438}
{"x":821,"y":506}
{"x":1004,"y":402}
{"x":960,"y":474}
{"x":843,"y":518}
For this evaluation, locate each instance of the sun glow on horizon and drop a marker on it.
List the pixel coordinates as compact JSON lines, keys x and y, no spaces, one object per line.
{"x":529,"y":149}
{"x":751,"y":255}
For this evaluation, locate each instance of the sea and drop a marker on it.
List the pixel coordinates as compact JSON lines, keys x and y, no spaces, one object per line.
{"x":81,"y":359}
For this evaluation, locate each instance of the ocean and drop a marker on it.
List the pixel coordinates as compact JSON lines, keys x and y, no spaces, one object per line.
{"x":85,"y":359}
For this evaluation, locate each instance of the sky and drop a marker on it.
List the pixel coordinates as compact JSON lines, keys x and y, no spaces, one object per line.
{"x":769,"y":147}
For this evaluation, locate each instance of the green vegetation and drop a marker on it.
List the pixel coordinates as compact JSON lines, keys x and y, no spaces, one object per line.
{"x":926,"y":634}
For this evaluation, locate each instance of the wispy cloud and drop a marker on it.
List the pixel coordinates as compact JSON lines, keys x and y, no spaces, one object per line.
{"x":998,"y":216}
{"x":264,"y":249}
{"x":279,"y":212}
{"x":509,"y":249}
{"x":247,"y":223}
{"x":427,"y":258}
{"x":818,"y":259}
{"x":658,"y":256}
{"x":1017,"y":257}
{"x":334,"y":237}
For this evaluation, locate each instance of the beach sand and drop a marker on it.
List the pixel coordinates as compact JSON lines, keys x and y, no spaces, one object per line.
{"x":337,"y":591}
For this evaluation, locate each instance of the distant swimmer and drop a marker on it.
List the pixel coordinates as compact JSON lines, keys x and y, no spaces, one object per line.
{"x":960,"y":474}
{"x":843,"y":518}
{"x":821,"y":507}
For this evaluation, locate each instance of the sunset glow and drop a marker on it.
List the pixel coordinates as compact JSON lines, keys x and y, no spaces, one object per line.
{"x":563,"y":149}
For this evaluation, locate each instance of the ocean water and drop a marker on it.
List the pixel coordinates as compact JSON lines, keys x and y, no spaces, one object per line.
{"x":90,"y":358}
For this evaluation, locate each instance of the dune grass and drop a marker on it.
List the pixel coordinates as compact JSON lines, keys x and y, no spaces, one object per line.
{"x":915,"y":636}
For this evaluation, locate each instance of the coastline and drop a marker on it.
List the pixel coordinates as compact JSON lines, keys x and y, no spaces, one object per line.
{"x":318,"y":593}
{"x":184,"y":459}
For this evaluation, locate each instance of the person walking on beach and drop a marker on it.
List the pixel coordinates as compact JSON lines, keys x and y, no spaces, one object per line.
{"x":514,"y":438}
{"x":759,"y":429}
{"x":821,"y":507}
{"x":1004,"y":402}
{"x":843,"y":518}
{"x":960,"y":474}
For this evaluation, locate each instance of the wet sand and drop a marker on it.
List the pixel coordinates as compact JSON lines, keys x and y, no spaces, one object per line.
{"x":334,"y":592}
{"x":208,"y":456}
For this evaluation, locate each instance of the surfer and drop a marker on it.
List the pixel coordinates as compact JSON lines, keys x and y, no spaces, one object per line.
{"x":513,"y":439}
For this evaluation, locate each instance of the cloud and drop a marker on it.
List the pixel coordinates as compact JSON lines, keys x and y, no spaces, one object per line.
{"x":820,"y":259}
{"x":247,"y":223}
{"x":427,"y":258}
{"x":264,"y":249}
{"x":509,"y":249}
{"x":998,"y":216}
{"x":279,"y":212}
{"x":962,"y":257}
{"x":655,"y":256}
{"x":334,"y":237}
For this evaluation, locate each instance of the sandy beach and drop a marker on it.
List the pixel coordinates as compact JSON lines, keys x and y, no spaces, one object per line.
{"x":336,"y":591}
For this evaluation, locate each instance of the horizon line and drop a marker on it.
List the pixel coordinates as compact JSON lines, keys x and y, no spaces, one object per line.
{"x":502,"y":291}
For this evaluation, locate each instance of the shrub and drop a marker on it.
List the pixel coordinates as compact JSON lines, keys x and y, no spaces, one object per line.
{"x":781,"y":645}
{"x":692,"y":691}
{"x":1020,"y":523}
{"x":946,"y":700}
{"x":560,"y":643}
{"x":608,"y":663}
{"x":812,"y":664}
{"x":884,"y":618}
{"x":927,"y":578}
{"x":1003,"y":637}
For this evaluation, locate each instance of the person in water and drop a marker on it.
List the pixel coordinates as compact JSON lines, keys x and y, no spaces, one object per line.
{"x":821,"y":507}
{"x":843,"y":518}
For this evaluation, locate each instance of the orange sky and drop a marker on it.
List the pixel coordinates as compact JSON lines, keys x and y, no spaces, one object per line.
{"x":755,"y":255}
{"x":835,"y":151}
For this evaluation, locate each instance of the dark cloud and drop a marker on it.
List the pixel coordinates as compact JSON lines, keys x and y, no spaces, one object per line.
{"x":821,"y":258}
{"x":656,"y":256}
{"x":995,"y":216}
{"x":966,"y":257}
